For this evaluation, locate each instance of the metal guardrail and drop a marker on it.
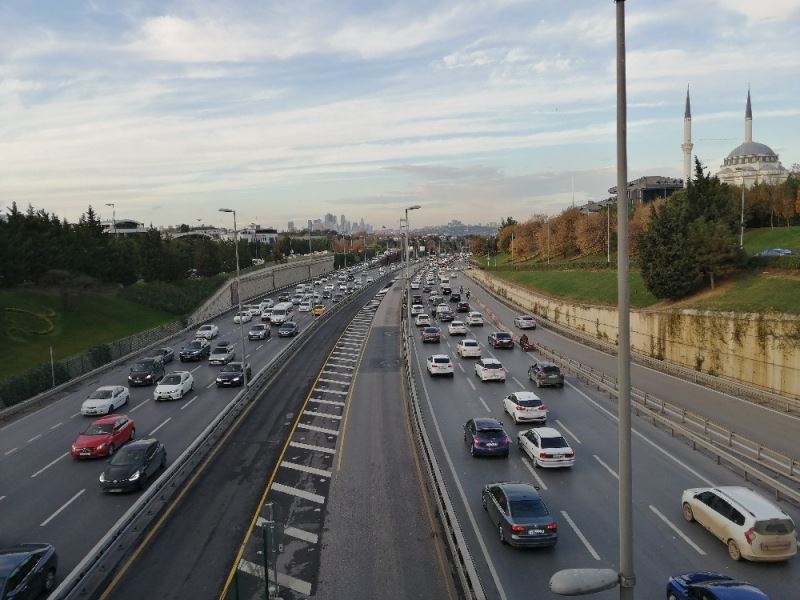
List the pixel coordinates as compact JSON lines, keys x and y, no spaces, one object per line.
{"x":464,"y":566}
{"x":102,"y":560}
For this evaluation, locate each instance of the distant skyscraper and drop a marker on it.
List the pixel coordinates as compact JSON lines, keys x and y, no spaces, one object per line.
{"x":290,"y":227}
{"x":342,"y":222}
{"x":310,"y":226}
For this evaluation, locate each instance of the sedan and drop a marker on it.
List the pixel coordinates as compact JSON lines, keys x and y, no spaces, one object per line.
{"x":546,"y":447}
{"x":714,"y":586}
{"x":489,"y":369}
{"x":259,"y":332}
{"x":417,"y":309}
{"x":519,"y":513}
{"x":463,"y":307}
{"x":431,"y":334}
{"x":174,"y":386}
{"x":486,"y":437}
{"x":222,"y":354}
{"x":457,"y":328}
{"x":288,"y":329}
{"x":167,"y":354}
{"x":525,"y":322}
{"x":475,"y":319}
{"x":440,"y":364}
{"x":196,"y":350}
{"x":231,"y":375}
{"x":283,"y":297}
{"x":105,"y":400}
{"x":422,"y":320}
{"x":304,"y":306}
{"x":208,"y":332}
{"x":501,"y":339}
{"x":338,"y":297}
{"x":445,"y":316}
{"x":27,"y":571}
{"x":103,"y":437}
{"x":468,"y":349}
{"x":133,"y":465}
{"x":243,"y":317}
{"x":525,"y":406}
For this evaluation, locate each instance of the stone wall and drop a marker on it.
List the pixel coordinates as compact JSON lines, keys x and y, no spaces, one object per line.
{"x":262,"y":281}
{"x":762,"y":350}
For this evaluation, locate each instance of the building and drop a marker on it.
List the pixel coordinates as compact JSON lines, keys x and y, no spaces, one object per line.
{"x":124,"y":227}
{"x":290,"y":227}
{"x":687,"y":141}
{"x":256,"y":233}
{"x":310,"y":226}
{"x":751,"y":162}
{"x":650,"y":187}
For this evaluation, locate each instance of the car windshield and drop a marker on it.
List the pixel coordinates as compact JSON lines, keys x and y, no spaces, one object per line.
{"x":142,"y":366}
{"x":551,"y":370}
{"x":220,"y":350}
{"x":195,"y":346}
{"x":554,"y":442}
{"x":528,"y":507}
{"x":529,"y":402}
{"x":99,"y":429}
{"x":128,"y":456}
{"x":100,"y":394}
{"x":431,"y":330}
{"x":259,"y":327}
{"x":471,"y":344}
{"x":492,"y":366}
{"x":289,"y":325}
{"x":232,"y":368}
{"x":171,"y":380}
{"x":503,"y":336}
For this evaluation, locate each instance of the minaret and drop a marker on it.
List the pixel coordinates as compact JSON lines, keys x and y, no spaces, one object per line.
{"x":748,"y":120}
{"x":687,"y":141}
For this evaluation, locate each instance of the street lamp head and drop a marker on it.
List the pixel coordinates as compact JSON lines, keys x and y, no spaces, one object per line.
{"x":415,"y":207}
{"x":109,"y":204}
{"x":227,"y":210}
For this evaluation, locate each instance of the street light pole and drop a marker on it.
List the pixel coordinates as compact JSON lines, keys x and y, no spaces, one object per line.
{"x":113,"y":216}
{"x":405,"y":252}
{"x":741,"y":220}
{"x":239,"y":294}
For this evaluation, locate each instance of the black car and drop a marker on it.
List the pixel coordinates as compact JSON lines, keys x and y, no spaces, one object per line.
{"x":446,"y":290}
{"x":455,"y":297}
{"x":463,"y":307}
{"x":196,"y":350}
{"x":259,"y":332}
{"x":288,"y":329}
{"x":231,"y":375}
{"x":284,"y":297}
{"x":427,"y":289}
{"x":167,"y":354}
{"x":501,"y":339}
{"x":486,"y":436}
{"x":133,"y":465}
{"x":446,"y":316}
{"x":326,"y":294}
{"x":519,"y":514}
{"x":338,"y":297}
{"x":27,"y":571}
{"x":147,"y":371}
{"x":544,"y":373}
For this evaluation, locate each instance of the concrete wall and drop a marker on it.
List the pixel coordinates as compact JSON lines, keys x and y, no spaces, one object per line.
{"x":761,"y":350}
{"x":263,"y":281}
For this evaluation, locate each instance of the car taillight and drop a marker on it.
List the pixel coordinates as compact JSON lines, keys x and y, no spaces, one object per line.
{"x":570,"y":455}
{"x":749,"y":535}
{"x":504,"y":441}
{"x":542,"y":454}
{"x":551,"y":527}
{"x":517,"y":528}
{"x":477,"y":442}
{"x":541,"y":375}
{"x":542,"y":407}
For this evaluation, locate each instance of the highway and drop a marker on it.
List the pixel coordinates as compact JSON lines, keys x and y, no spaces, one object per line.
{"x":45,"y":495}
{"x":582,"y":499}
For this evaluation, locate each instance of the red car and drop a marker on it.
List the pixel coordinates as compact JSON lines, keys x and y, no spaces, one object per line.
{"x":104,"y":436}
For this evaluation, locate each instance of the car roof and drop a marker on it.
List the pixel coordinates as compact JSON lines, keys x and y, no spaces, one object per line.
{"x":546,"y":363}
{"x":487,"y":423}
{"x":208,"y":326}
{"x":518,"y":489}
{"x":11,"y":557}
{"x":753,"y":502}
{"x":548,"y":432}
{"x":108,"y":419}
{"x":471,"y":342}
{"x":503,"y":333}
{"x":140,"y":443}
{"x":475,"y":313}
{"x":440,"y":356}
{"x":107,"y":387}
{"x":488,"y":360}
{"x":526,"y":395}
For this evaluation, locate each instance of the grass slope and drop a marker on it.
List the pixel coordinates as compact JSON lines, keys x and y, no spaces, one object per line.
{"x":751,"y":292}
{"x":764,"y":238}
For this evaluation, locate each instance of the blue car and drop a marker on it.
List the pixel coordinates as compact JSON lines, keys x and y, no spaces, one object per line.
{"x":707,"y":585}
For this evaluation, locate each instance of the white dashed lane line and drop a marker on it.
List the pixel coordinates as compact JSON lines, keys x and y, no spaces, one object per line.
{"x":606,"y":467}
{"x":680,"y":534}
{"x":7,"y":452}
{"x":138,"y":406}
{"x":486,"y":406}
{"x":56,"y":426}
{"x":580,"y":535}
{"x":331,"y":402}
{"x":536,"y":476}
{"x":65,"y":505}
{"x":323,"y":415}
{"x":518,"y":382}
{"x":279,"y":487}
{"x":312,"y":447}
{"x":189,"y":402}
{"x":34,"y":438}
{"x":306,"y":469}
{"x":50,"y":464}
{"x":318,"y":429}
{"x":564,"y":427}
{"x":167,"y":420}
{"x":472,"y":385}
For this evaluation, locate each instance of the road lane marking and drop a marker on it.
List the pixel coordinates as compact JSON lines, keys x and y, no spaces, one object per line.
{"x":306,"y":469}
{"x":564,"y":427}
{"x":486,"y":406}
{"x":259,"y":347}
{"x":2,"y":498}
{"x":536,"y":476}
{"x":56,"y":426}
{"x":674,"y":528}
{"x":580,"y":535}
{"x":34,"y":438}
{"x":160,"y":426}
{"x":318,"y":429}
{"x":7,"y":452}
{"x":50,"y":464}
{"x":77,"y":414}
{"x":472,"y":385}
{"x":607,"y":468}
{"x":195,"y":369}
{"x":460,"y":366}
{"x":279,"y":487}
{"x":189,"y":402}
{"x":210,"y":385}
{"x":306,"y":536}
{"x":336,"y":381}
{"x":312,"y":447}
{"x":325,"y":391}
{"x":326,"y":372}
{"x":321,"y":401}
{"x":138,"y":406}
{"x":518,"y":382}
{"x":66,"y":504}
{"x":284,"y":580}
{"x":314,"y":413}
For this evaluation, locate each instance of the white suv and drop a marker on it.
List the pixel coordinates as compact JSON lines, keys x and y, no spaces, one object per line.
{"x":490,"y":369}
{"x":440,"y":364}
{"x":525,"y":406}
{"x":469,"y":349}
{"x":474,"y":319}
{"x":750,"y":526}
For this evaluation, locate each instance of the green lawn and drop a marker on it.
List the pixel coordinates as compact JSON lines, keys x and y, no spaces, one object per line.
{"x":764,"y":238}
{"x":25,"y":338}
{"x":751,"y":292}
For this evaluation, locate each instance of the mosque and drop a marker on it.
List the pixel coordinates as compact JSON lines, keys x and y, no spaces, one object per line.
{"x":748,"y":164}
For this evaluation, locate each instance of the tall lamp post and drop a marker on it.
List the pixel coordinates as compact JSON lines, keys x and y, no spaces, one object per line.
{"x":113,"y":216}
{"x":239,"y":293}
{"x":408,"y":229}
{"x":741,"y":171}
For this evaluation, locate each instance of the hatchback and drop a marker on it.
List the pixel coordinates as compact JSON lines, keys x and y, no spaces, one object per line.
{"x":468,"y":349}
{"x":457,"y":328}
{"x":440,"y":364}
{"x":288,"y":329}
{"x":501,"y":339}
{"x":474,"y":319}
{"x":525,"y":322}
{"x":525,"y":406}
{"x":545,"y":373}
{"x":489,"y":369}
{"x":486,"y":437}
{"x":519,"y":513}
{"x":27,"y":571}
{"x":711,"y":586}
{"x":431,"y":334}
{"x":133,"y":465}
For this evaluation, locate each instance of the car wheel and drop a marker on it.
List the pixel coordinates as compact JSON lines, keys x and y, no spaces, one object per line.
{"x":687,"y":512}
{"x":132,"y":435}
{"x":483,"y":503}
{"x":671,"y":597}
{"x":472,"y":449}
{"x":50,"y":580}
{"x":111,"y":449}
{"x":163,"y":460}
{"x":733,"y":550}
{"x":501,"y":533}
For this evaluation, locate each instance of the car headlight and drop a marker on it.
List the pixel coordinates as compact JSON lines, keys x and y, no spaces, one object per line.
{"x":100,"y":446}
{"x":74,"y":449}
{"x":237,"y":378}
{"x":148,"y":376}
{"x":135,"y":476}
{"x":102,"y":477}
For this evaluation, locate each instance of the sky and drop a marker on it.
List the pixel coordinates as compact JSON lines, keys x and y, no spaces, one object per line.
{"x":475,"y":110}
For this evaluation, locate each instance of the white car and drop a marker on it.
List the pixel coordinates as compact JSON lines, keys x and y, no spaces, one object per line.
{"x":305,"y":306}
{"x":242,"y":317}
{"x":474,"y":319}
{"x":546,"y":447}
{"x":297,"y":299}
{"x":327,"y":288}
{"x":174,"y":386}
{"x":457,"y":328}
{"x":525,"y":322}
{"x":105,"y":400}
{"x":422,"y":320}
{"x":469,"y":349}
{"x":370,"y":280}
{"x":415,"y":285}
{"x":440,"y":364}
{"x":525,"y":406}
{"x":490,"y":369}
{"x":417,"y":309}
{"x":209,"y":332}
{"x":267,"y":303}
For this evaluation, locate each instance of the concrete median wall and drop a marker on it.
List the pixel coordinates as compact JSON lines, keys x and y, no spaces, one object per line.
{"x":260,"y":282}
{"x":760,"y":350}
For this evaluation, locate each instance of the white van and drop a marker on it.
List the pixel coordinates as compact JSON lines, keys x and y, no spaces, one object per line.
{"x":281,"y":313}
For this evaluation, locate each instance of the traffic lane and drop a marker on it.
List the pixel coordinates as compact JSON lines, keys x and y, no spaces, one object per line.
{"x":774,"y":428}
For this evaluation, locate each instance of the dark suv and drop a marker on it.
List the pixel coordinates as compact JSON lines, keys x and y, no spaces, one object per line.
{"x":196,"y":350}
{"x":501,"y":339}
{"x":27,"y":570}
{"x":545,"y":373}
{"x":148,"y":371}
{"x":486,"y":437}
{"x":463,"y":307}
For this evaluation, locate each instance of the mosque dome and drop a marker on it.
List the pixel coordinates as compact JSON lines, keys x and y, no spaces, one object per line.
{"x":751,"y":149}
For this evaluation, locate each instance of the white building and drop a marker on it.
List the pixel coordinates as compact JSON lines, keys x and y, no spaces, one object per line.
{"x":125,"y":227}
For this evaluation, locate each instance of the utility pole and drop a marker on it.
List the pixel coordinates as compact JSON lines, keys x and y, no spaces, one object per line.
{"x":239,"y":296}
{"x":113,"y":216}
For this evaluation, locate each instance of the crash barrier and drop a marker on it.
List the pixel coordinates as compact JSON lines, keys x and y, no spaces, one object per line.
{"x":95,"y":569}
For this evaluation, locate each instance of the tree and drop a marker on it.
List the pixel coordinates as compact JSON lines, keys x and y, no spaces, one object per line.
{"x":184,"y":228}
{"x":715,"y":249}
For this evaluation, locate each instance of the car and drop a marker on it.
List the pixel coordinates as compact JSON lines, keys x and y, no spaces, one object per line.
{"x":474,"y":319}
{"x":544,"y":373}
{"x":103,"y":437}
{"x":231,"y":374}
{"x":525,"y":406}
{"x":283,"y":297}
{"x":174,"y":386}
{"x":415,"y":285}
{"x":147,"y":371}
{"x":431,"y":334}
{"x":525,"y":322}
{"x":197,"y":349}
{"x":712,"y":586}
{"x":326,"y":294}
{"x":370,"y":280}
{"x":501,"y":339}
{"x":167,"y":354}
{"x":490,"y":369}
{"x":435,"y":299}
{"x":243,"y":317}
{"x":546,"y":447}
{"x":751,"y":526}
{"x":319,"y":310}
{"x":484,"y":436}
{"x":134,"y":463}
{"x":304,"y":307}
{"x":288,"y":329}
{"x":463,"y":307}
{"x":457,"y":328}
{"x":775,"y":252}
{"x":422,"y":320}
{"x":105,"y":400}
{"x":27,"y":571}
{"x":222,"y":354}
{"x":519,"y":514}
{"x":267,"y":303}
{"x":469,"y":349}
{"x":338,"y":297}
{"x":266,"y":315}
{"x":296,"y":299}
{"x":445,"y":316}
{"x":427,"y":288}
{"x":208,"y":331}
{"x":416,"y":299}
{"x":417,"y":309}
{"x":440,"y":364}
{"x":455,"y":297}
{"x":259,"y":332}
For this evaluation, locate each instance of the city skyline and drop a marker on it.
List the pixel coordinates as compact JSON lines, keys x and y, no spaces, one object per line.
{"x":163,"y":109}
